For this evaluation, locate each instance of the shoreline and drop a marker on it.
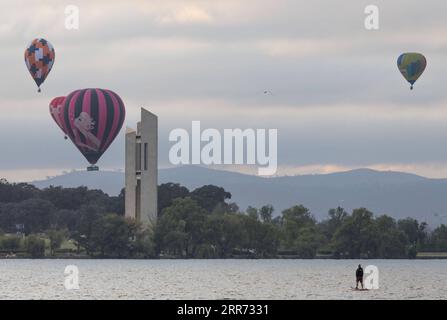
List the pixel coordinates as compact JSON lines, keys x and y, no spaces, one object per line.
{"x":433,"y":257}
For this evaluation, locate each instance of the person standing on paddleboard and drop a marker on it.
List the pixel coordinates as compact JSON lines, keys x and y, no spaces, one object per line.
{"x":359,"y":276}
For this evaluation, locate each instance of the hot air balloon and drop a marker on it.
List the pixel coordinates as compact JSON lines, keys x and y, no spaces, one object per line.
{"x":411,"y":65}
{"x":39,"y":59}
{"x":92,"y":118}
{"x":56,"y":111}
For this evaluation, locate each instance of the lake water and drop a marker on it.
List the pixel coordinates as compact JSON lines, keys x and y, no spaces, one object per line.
{"x":221,"y":279}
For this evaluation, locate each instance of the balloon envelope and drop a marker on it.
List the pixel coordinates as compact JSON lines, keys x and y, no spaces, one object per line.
{"x":411,"y":65}
{"x":92,"y":118}
{"x":56,"y":111}
{"x":39,"y":59}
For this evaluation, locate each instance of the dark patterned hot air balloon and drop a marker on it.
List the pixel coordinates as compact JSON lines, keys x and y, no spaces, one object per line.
{"x":92,"y":118}
{"x":411,"y":65}
{"x":56,"y":111}
{"x":39,"y":59}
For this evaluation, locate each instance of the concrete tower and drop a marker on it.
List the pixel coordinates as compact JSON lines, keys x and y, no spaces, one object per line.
{"x":142,"y":169}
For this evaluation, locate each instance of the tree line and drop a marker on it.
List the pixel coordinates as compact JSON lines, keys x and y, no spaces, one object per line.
{"x":202,"y":223}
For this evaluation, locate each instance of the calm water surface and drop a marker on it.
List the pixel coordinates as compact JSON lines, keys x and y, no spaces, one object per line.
{"x":221,"y":279}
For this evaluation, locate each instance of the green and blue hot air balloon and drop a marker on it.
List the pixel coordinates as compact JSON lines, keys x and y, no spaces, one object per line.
{"x":411,"y":65}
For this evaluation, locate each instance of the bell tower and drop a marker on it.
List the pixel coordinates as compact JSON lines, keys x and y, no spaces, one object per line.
{"x":141,"y":170}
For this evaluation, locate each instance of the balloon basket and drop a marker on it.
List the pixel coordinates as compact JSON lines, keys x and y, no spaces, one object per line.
{"x":93,"y":168}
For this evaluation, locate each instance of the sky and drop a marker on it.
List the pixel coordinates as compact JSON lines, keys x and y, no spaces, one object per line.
{"x":338,"y":102}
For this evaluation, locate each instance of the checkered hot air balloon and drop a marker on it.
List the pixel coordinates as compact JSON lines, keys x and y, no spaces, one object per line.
{"x":39,"y":59}
{"x":92,"y":118}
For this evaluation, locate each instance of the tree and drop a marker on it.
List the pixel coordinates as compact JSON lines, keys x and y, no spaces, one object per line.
{"x":167,"y":192}
{"x":293,"y":221}
{"x":113,"y":236}
{"x":232,"y":207}
{"x":357,"y":237}
{"x":116,"y":204}
{"x":200,"y":224}
{"x":266,"y":240}
{"x":392,"y":242}
{"x":415,"y":232}
{"x":88,"y":223}
{"x":223,"y":207}
{"x":36,"y":214}
{"x":176,"y":242}
{"x":228,"y":232}
{"x":7,"y":218}
{"x":233,"y":234}
{"x":16,"y":192}
{"x":307,"y":242}
{"x":438,"y":239}
{"x":209,"y":196}
{"x":183,"y":221}
{"x":251,"y":228}
{"x":75,"y":198}
{"x":266,"y":213}
{"x":11,"y":243}
{"x":336,"y":218}
{"x":67,"y":219}
{"x":57,"y":237}
{"x":253,"y":213}
{"x":143,"y":246}
{"x":35,"y":246}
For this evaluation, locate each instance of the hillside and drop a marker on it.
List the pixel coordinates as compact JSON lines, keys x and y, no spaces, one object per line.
{"x":395,"y":193}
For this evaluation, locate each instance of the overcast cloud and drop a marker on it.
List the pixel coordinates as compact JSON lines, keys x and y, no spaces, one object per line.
{"x":339,"y":101}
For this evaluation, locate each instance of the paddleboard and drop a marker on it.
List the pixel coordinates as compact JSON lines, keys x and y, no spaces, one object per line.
{"x":364,"y":289}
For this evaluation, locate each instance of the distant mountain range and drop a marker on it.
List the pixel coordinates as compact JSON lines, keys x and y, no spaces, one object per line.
{"x":394,"y":193}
